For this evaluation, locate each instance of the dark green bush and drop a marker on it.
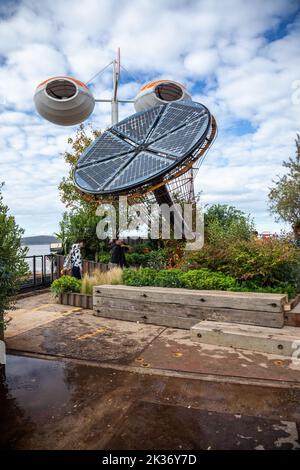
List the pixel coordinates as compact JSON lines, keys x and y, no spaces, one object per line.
{"x":139,"y":277}
{"x":104,"y":258}
{"x":206,"y":279}
{"x":198,"y":279}
{"x":266,"y":263}
{"x":169,"y":278}
{"x":158,"y":259}
{"x":137,"y":259}
{"x":65,"y":284}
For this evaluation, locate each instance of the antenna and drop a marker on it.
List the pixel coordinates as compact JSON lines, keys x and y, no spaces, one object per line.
{"x":116,"y":63}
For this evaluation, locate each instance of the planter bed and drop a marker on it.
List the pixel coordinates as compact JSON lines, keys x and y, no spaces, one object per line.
{"x":76,"y":300}
{"x":183,"y":308}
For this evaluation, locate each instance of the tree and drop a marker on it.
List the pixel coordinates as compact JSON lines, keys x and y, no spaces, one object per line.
{"x":284,"y":196}
{"x":225,"y":223}
{"x":70,"y":195}
{"x":12,"y":263}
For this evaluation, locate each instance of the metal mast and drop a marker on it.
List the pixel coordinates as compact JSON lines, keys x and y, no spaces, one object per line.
{"x":116,"y":63}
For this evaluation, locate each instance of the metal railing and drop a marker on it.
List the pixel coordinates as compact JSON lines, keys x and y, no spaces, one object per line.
{"x":42,"y":272}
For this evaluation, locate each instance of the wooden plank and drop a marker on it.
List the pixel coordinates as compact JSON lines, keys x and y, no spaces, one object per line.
{"x":247,"y":317}
{"x":189,"y":297}
{"x":268,"y":340}
{"x":295,"y":302}
{"x":292,"y":318}
{"x":149,"y":317}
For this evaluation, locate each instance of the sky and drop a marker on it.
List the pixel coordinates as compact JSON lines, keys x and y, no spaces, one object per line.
{"x":240,"y":58}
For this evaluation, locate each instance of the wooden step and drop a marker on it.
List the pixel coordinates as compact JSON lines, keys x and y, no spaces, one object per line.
{"x":285,"y":342}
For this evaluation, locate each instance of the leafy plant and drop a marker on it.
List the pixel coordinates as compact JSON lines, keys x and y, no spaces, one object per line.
{"x":269,"y":263}
{"x":139,"y":277}
{"x":169,"y":278}
{"x":206,"y":279}
{"x":104,"y":258}
{"x":226,"y":223}
{"x":65,"y":284}
{"x":158,"y":259}
{"x":197,"y":279}
{"x":284,"y":196}
{"x":13,"y":266}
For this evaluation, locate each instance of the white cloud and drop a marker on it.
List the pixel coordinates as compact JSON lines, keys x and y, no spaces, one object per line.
{"x":244,"y":78}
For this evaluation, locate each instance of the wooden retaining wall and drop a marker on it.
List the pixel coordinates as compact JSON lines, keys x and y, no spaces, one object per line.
{"x":76,"y":300}
{"x":183,"y":308}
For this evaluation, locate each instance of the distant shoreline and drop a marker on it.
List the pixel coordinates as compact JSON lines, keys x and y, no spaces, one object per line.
{"x":39,"y":240}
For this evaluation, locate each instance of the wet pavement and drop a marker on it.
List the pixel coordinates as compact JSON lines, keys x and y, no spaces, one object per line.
{"x":50,"y":404}
{"x":77,"y":381}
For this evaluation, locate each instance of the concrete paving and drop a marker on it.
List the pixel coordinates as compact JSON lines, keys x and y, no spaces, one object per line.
{"x":41,"y":326}
{"x":96,"y":383}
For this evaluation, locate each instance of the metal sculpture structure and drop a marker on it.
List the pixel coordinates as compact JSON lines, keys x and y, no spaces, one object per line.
{"x":155,"y":152}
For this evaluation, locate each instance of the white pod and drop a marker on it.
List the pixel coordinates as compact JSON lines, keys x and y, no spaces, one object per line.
{"x":160,"y":92}
{"x":64,"y":100}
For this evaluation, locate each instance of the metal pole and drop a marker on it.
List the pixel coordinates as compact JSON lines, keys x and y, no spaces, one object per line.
{"x":114,"y":101}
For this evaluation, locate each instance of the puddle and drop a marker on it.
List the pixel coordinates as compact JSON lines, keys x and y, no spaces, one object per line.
{"x":48,"y":404}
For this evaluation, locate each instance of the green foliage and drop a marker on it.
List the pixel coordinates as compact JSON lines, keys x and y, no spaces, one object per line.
{"x":169,"y":278}
{"x":268,"y":263}
{"x":137,"y":259}
{"x":226,"y":223}
{"x":139,"y":277}
{"x":197,"y":279}
{"x":70,"y":195}
{"x":12,"y":263}
{"x":65,"y":284}
{"x":104,"y":258}
{"x":81,"y":223}
{"x":158,"y":259}
{"x":284,"y":196}
{"x":206,"y":279}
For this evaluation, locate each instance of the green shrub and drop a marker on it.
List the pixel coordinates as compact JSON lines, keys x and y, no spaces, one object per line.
{"x":158,"y":259}
{"x":137,"y":259}
{"x":139,"y":277}
{"x":198,"y":279}
{"x":169,"y":278}
{"x":284,"y":288}
{"x":267,"y":263}
{"x":65,"y":284}
{"x":104,"y":258}
{"x":206,"y":279}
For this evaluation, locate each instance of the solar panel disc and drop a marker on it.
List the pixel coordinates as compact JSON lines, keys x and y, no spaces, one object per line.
{"x":142,"y":148}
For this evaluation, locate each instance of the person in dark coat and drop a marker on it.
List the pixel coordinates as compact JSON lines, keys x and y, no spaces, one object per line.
{"x":118,"y":250}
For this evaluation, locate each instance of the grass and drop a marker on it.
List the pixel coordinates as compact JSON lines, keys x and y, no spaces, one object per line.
{"x":113,"y":276}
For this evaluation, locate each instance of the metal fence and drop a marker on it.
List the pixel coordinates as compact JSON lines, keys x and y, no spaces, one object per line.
{"x":44,"y":269}
{"x":42,"y":272}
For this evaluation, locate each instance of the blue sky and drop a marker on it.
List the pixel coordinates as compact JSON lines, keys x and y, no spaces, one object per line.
{"x":240,"y":58}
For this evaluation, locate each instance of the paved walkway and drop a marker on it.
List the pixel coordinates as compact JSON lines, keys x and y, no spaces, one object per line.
{"x":79,"y":381}
{"x":41,"y":326}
